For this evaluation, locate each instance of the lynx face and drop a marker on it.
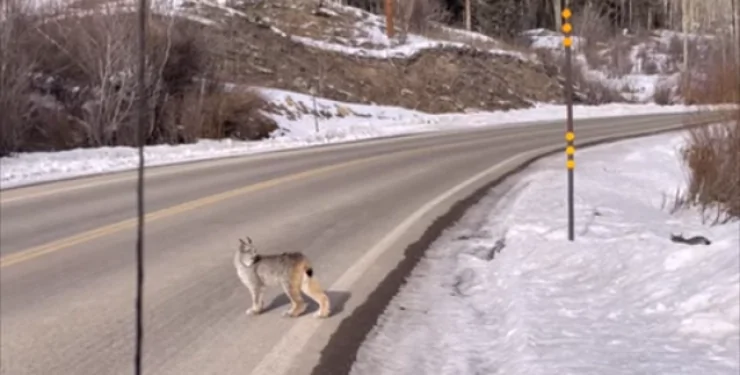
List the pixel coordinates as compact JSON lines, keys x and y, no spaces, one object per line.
{"x":247,"y":252}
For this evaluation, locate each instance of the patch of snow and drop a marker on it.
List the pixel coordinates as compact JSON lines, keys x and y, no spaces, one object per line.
{"x":347,"y":122}
{"x":504,"y":291}
{"x":413,"y":45}
{"x":470,"y":34}
{"x":653,"y":64}
{"x":407,"y":50}
{"x":667,"y":35}
{"x":550,"y":40}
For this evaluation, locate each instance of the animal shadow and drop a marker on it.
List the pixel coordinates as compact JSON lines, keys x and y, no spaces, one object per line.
{"x":336,"y":298}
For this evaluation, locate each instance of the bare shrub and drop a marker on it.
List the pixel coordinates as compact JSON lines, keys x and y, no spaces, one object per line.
{"x":620,"y":61}
{"x":52,"y":129}
{"x":595,"y":55}
{"x":590,"y":24}
{"x":595,"y":92}
{"x":712,"y":82}
{"x":416,"y":16}
{"x":602,"y":46}
{"x":84,"y":69}
{"x":650,"y":66}
{"x":16,"y":64}
{"x":675,"y":49}
{"x":222,"y":114}
{"x":95,"y":53}
{"x":663,"y":94}
{"x":712,"y":153}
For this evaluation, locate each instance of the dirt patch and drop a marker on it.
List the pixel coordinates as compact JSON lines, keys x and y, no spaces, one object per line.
{"x":448,"y":79}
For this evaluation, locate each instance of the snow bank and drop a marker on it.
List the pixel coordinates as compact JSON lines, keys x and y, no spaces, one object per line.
{"x":299,"y":130}
{"x":504,"y":292}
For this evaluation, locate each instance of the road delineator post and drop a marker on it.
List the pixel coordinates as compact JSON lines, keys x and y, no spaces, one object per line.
{"x":570,"y":150}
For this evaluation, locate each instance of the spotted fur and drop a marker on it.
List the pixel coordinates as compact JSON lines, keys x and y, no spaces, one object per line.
{"x":290,"y":270}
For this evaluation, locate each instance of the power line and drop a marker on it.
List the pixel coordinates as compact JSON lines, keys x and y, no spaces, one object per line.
{"x":142,"y":121}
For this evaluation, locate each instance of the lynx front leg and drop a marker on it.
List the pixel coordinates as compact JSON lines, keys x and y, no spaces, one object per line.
{"x":257,"y":293}
{"x":297,"y":305}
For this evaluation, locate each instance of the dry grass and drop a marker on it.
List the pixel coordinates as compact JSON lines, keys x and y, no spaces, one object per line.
{"x":715,"y":82}
{"x":712,"y":153}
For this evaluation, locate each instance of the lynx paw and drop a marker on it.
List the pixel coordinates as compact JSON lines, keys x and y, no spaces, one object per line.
{"x":321,"y":315}
{"x":252,"y":311}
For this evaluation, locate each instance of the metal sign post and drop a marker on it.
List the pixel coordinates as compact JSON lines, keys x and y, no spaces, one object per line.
{"x":569,"y":134}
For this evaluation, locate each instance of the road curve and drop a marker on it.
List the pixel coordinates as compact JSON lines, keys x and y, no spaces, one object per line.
{"x":67,"y":251}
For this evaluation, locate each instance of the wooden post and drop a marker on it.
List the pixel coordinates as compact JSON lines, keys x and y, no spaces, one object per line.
{"x":389,"y":18}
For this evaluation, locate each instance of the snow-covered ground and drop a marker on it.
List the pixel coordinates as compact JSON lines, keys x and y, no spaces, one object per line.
{"x":372,"y":31}
{"x":348,"y":122}
{"x":650,"y":60}
{"x":505,"y":292}
{"x":299,"y":130}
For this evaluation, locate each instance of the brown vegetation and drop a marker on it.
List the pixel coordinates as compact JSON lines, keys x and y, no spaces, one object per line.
{"x":712,"y":153}
{"x":70,"y":83}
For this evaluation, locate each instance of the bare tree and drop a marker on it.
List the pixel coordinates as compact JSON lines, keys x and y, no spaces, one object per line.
{"x":16,"y":66}
{"x":736,"y":36}
{"x":468,"y":16}
{"x":556,"y":10}
{"x":686,"y":22}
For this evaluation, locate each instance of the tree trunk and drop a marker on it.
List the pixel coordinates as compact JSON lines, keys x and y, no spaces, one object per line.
{"x":685,"y":17}
{"x":557,"y":9}
{"x":736,"y":35}
{"x":468,"y":17}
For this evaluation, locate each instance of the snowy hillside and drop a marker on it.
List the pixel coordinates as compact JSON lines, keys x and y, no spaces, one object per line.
{"x":634,"y":66}
{"x":504,"y":292}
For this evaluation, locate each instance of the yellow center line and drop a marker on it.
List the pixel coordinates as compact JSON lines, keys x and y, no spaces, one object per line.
{"x":57,"y":245}
{"x":89,"y":235}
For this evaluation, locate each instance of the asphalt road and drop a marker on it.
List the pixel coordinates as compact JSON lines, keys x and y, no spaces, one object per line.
{"x":67,"y":267}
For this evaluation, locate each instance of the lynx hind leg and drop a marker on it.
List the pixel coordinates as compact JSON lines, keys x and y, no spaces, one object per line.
{"x":257,"y":300}
{"x":292,"y":288}
{"x":311,"y":287}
